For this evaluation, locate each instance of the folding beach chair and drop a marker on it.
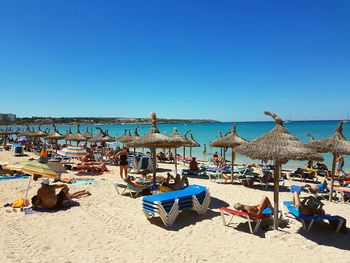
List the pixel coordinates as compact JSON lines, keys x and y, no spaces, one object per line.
{"x":124,"y":187}
{"x":311,"y":219}
{"x":267,"y":213}
{"x":168,"y":205}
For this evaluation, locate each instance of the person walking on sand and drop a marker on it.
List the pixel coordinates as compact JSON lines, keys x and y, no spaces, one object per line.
{"x":123,"y":162}
{"x":340,"y":164}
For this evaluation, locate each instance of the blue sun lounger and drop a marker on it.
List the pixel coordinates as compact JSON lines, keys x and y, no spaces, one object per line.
{"x":168,"y":205}
{"x":311,"y":219}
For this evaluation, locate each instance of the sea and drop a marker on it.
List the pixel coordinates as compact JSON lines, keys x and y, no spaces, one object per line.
{"x":204,"y":133}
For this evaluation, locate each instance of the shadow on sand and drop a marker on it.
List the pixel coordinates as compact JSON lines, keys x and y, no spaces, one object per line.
{"x":322,"y":234}
{"x":190,"y":217}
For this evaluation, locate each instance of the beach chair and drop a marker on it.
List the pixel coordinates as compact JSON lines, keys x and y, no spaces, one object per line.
{"x":321,"y":195}
{"x":124,"y":187}
{"x":144,"y":163}
{"x":17,"y":150}
{"x":168,"y":205}
{"x":302,"y":178}
{"x":344,"y":193}
{"x":198,"y":172}
{"x":267,"y":213}
{"x":311,"y":219}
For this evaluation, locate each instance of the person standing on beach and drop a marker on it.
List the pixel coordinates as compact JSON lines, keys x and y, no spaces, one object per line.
{"x":340,"y":164}
{"x":123,"y":162}
{"x":205,"y":152}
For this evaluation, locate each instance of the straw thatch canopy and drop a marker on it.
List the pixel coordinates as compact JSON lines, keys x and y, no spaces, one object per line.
{"x":336,"y":144}
{"x":153,"y":139}
{"x":229,"y":140}
{"x":127,"y":137}
{"x":76,"y":137}
{"x":98,"y":137}
{"x":25,"y":132}
{"x":177,"y":137}
{"x":193,"y":142}
{"x":55,"y":135}
{"x":278,"y":144}
{"x":39,"y":133}
{"x":107,"y":138}
{"x":88,"y":135}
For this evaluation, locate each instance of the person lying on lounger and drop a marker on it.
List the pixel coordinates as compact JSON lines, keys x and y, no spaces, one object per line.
{"x":178,"y":182}
{"x":306,"y":175}
{"x":254,"y":210}
{"x":321,"y":187}
{"x":46,"y":196}
{"x":309,"y":206}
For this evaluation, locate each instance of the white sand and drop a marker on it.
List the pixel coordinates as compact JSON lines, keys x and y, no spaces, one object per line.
{"x":107,"y":227}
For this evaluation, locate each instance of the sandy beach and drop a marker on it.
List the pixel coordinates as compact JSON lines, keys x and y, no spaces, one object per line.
{"x":108,"y":227}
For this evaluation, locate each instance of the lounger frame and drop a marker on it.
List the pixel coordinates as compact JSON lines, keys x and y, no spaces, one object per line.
{"x":250,"y":220}
{"x":168,"y":218}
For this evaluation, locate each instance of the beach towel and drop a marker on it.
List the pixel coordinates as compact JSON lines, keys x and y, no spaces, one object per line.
{"x":5,"y":178}
{"x":65,"y":204}
{"x":82,"y":182}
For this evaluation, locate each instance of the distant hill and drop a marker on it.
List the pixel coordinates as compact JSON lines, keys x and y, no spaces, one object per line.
{"x":95,"y":120}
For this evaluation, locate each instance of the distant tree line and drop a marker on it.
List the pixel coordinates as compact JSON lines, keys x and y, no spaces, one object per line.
{"x":91,"y":120}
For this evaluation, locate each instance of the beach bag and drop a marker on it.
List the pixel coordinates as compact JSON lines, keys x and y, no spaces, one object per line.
{"x":20,"y":203}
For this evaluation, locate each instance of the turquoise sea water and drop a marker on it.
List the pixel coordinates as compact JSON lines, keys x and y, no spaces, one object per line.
{"x":207,"y":132}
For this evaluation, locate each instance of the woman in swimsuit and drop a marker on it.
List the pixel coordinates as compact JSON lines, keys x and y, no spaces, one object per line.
{"x":123,"y":162}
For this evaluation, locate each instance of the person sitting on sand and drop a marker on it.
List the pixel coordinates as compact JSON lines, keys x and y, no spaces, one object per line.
{"x":90,"y":156}
{"x":4,"y":171}
{"x":255,"y":210}
{"x":178,"y":184}
{"x":46,"y":196}
{"x":193,"y":164}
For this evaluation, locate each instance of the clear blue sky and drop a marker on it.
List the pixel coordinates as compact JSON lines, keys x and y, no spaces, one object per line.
{"x":226,"y":60}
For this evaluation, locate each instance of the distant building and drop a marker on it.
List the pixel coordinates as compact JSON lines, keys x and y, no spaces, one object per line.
{"x":8,"y":117}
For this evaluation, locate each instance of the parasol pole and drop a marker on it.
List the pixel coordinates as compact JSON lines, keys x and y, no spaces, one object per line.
{"x":153,"y":150}
{"x":30,"y":180}
{"x":277,"y":173}
{"x":332,"y":175}
{"x":184,"y":153}
{"x":232,"y":165}
{"x":175,"y":160}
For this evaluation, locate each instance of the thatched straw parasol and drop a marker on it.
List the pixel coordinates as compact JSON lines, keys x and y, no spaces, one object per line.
{"x":88,"y":135}
{"x":76,"y":137}
{"x":153,"y":140}
{"x":39,"y":133}
{"x":190,"y":143}
{"x":26,"y":132}
{"x":231,"y":140}
{"x":98,"y":137}
{"x":55,"y":135}
{"x":127,"y":137}
{"x":336,"y":144}
{"x":280,"y":146}
{"x":107,"y":138}
{"x":181,"y":142}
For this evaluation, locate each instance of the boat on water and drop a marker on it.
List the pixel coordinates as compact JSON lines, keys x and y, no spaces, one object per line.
{"x":288,"y":121}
